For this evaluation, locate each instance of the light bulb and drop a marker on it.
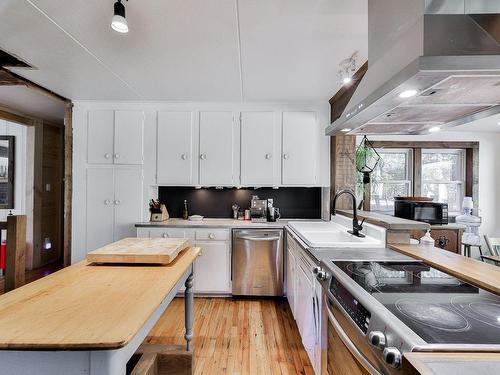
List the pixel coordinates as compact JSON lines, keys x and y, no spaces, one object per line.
{"x":408,"y":94}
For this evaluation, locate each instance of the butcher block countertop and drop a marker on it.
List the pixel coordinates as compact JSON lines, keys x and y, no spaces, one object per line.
{"x":484,"y":275}
{"x":87,"y":306}
{"x":451,"y":363}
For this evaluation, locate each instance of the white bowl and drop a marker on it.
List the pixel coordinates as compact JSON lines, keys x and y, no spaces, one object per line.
{"x":195,"y":217}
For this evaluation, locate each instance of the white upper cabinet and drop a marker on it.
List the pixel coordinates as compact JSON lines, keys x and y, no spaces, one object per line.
{"x":129,"y":131}
{"x":115,"y":137}
{"x":300,"y":143}
{"x":259,"y":149}
{"x":175,"y":148}
{"x":217,"y":143}
{"x":100,"y":137}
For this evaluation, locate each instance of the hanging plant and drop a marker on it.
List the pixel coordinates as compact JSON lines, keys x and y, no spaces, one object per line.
{"x":367,"y":159}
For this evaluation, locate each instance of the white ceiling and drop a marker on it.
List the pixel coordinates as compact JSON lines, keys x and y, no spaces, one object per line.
{"x":29,"y":102}
{"x":186,"y":50}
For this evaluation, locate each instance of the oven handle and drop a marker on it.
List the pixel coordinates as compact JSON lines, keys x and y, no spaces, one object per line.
{"x":348,"y":343}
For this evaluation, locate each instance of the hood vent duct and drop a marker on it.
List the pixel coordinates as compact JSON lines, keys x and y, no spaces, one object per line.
{"x":446,"y":53}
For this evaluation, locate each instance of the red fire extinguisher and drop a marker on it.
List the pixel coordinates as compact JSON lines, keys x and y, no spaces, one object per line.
{"x":3,"y":251}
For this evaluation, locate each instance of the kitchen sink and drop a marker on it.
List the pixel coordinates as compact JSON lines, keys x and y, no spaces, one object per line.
{"x":334,"y":234}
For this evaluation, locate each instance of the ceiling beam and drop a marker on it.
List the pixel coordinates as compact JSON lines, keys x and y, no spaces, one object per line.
{"x":339,"y":101}
{"x":42,"y":90}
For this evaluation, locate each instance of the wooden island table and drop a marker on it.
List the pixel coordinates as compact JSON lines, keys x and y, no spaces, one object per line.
{"x":89,"y":319}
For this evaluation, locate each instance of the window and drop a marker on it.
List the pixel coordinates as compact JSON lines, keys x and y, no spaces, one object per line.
{"x":391,"y":177}
{"x":443,"y":176}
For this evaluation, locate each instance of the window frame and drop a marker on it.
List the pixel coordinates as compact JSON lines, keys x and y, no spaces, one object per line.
{"x":409,"y":171}
{"x":470,"y":162}
{"x":460,"y":183}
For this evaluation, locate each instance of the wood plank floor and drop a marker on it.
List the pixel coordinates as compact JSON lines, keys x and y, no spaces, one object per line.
{"x":231,"y":336}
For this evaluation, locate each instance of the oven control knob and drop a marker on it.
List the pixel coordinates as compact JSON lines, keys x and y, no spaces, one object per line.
{"x":393,"y":356}
{"x":316,"y":270}
{"x":321,"y":275}
{"x":377,"y":339}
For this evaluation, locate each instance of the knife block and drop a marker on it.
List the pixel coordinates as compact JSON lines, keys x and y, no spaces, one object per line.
{"x":160,"y":216}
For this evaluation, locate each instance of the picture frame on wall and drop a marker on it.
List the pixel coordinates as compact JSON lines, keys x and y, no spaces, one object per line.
{"x":7,"y":152}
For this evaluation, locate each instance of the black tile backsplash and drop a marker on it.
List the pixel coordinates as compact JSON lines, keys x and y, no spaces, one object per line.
{"x":294,"y":202}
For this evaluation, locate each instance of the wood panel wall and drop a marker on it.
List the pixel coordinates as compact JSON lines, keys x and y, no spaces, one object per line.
{"x":342,"y":167}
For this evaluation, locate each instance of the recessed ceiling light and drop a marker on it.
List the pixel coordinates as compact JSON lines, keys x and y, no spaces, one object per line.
{"x":346,"y":80}
{"x":119,"y":22}
{"x":345,"y":130}
{"x":434,"y":129}
{"x":408,"y":93}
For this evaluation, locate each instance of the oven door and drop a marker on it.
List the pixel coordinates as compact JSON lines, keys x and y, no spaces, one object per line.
{"x":343,"y":351}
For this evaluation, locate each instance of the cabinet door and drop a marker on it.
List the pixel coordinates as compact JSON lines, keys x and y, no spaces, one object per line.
{"x":212,"y":268}
{"x":216,"y":148}
{"x":290,"y":281}
{"x":100,"y":137}
{"x":99,"y":207}
{"x":258,"y":148}
{"x":299,"y":148}
{"x":305,"y":312}
{"x":175,"y":149}
{"x":127,"y":201}
{"x":129,"y":130}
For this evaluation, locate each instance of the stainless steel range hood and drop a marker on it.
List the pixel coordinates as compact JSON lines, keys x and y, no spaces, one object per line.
{"x":448,"y":51}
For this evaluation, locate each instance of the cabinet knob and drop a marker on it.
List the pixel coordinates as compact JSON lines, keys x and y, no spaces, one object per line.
{"x":117,"y":202}
{"x":211,"y":236}
{"x":117,"y":156}
{"x":107,"y":202}
{"x":268,"y":156}
{"x":107,"y":156}
{"x":286,"y":156}
{"x":203,"y":156}
{"x":165,"y":235}
{"x":184,"y":156}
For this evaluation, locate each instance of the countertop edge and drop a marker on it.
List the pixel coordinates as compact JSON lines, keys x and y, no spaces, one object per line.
{"x":481,"y":274}
{"x":386,"y":221}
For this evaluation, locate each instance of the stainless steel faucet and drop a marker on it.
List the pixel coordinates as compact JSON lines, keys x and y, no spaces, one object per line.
{"x":356,"y":225}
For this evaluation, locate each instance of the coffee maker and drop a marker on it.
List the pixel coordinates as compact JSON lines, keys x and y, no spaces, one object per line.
{"x":258,"y":209}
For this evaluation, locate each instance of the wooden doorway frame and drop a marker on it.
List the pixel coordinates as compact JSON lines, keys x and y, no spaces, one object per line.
{"x":13,"y":116}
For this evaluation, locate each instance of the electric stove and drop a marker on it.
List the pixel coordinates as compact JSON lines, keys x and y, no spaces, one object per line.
{"x":438,"y":307}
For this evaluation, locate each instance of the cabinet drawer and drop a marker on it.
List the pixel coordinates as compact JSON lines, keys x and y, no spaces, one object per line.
{"x":171,"y":233}
{"x":212,"y":235}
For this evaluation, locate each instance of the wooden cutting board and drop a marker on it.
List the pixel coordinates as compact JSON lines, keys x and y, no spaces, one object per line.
{"x":139,"y":250}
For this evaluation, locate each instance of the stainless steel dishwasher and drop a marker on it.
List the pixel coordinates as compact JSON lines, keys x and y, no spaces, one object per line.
{"x":257,"y":262}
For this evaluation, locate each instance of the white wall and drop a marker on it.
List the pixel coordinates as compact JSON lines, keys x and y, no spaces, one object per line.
{"x":489,"y":170}
{"x":20,"y":132}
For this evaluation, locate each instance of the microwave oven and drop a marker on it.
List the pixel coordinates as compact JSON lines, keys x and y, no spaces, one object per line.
{"x":428,"y":212}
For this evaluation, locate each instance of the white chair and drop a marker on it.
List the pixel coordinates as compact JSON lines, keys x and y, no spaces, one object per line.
{"x":493,"y":245}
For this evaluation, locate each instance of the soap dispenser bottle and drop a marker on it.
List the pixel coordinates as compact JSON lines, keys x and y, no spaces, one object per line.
{"x":427,"y":240}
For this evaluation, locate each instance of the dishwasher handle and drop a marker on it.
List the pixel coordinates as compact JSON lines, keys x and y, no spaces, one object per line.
{"x":255,"y":238}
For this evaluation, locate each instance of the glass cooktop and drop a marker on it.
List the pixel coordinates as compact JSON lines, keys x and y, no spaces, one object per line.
{"x":436,"y":306}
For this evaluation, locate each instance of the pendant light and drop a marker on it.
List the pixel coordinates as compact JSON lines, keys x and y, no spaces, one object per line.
{"x":119,"y":22}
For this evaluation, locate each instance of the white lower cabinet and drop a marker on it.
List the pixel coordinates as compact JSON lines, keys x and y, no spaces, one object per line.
{"x":114,"y":204}
{"x":290,"y":280}
{"x":304,"y":296}
{"x":212,"y":269}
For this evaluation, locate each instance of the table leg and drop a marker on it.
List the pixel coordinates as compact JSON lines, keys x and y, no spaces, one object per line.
{"x":188,"y":317}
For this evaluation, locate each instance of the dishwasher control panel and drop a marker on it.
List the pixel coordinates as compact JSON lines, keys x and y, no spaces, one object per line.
{"x":358,"y":313}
